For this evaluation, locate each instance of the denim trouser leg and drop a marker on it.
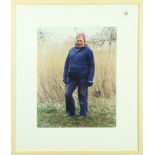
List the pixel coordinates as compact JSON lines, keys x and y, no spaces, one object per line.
{"x":82,"y":95}
{"x":87,"y":100}
{"x":70,"y":104}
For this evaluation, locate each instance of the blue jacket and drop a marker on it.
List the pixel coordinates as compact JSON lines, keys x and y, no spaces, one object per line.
{"x":79,"y":63}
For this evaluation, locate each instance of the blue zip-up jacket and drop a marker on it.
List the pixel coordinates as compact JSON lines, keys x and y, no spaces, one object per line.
{"x":79,"y":63}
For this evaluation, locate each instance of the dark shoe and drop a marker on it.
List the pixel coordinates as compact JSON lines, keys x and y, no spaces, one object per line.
{"x":68,"y":115}
{"x":80,"y":117}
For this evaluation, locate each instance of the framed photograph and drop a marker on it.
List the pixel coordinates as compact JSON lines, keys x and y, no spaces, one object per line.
{"x":76,"y":77}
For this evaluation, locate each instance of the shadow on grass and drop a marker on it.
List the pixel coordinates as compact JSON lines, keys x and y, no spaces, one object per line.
{"x":101,"y":113}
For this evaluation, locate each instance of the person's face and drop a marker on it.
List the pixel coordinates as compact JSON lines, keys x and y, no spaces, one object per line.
{"x":79,"y":42}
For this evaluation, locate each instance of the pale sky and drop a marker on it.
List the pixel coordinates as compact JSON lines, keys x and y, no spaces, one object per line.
{"x":59,"y":34}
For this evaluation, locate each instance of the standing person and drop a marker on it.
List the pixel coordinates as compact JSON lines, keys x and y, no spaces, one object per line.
{"x":78,"y":72}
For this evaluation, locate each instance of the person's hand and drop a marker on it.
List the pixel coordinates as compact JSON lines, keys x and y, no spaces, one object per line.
{"x":89,"y":83}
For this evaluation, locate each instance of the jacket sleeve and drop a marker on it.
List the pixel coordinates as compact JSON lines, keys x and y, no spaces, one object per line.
{"x":66,"y":68}
{"x":91,"y":66}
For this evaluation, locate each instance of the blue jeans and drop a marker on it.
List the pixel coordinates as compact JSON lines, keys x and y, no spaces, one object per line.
{"x":81,"y":83}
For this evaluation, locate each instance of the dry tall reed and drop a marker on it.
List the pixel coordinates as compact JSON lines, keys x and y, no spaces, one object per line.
{"x":51,"y":59}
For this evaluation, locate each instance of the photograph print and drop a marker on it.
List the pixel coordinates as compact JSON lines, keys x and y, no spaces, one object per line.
{"x":76,"y":77}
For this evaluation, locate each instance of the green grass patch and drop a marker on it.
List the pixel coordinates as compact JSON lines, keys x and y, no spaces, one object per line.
{"x":101,"y":113}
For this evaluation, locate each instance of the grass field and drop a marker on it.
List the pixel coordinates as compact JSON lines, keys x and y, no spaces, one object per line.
{"x":102,"y":113}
